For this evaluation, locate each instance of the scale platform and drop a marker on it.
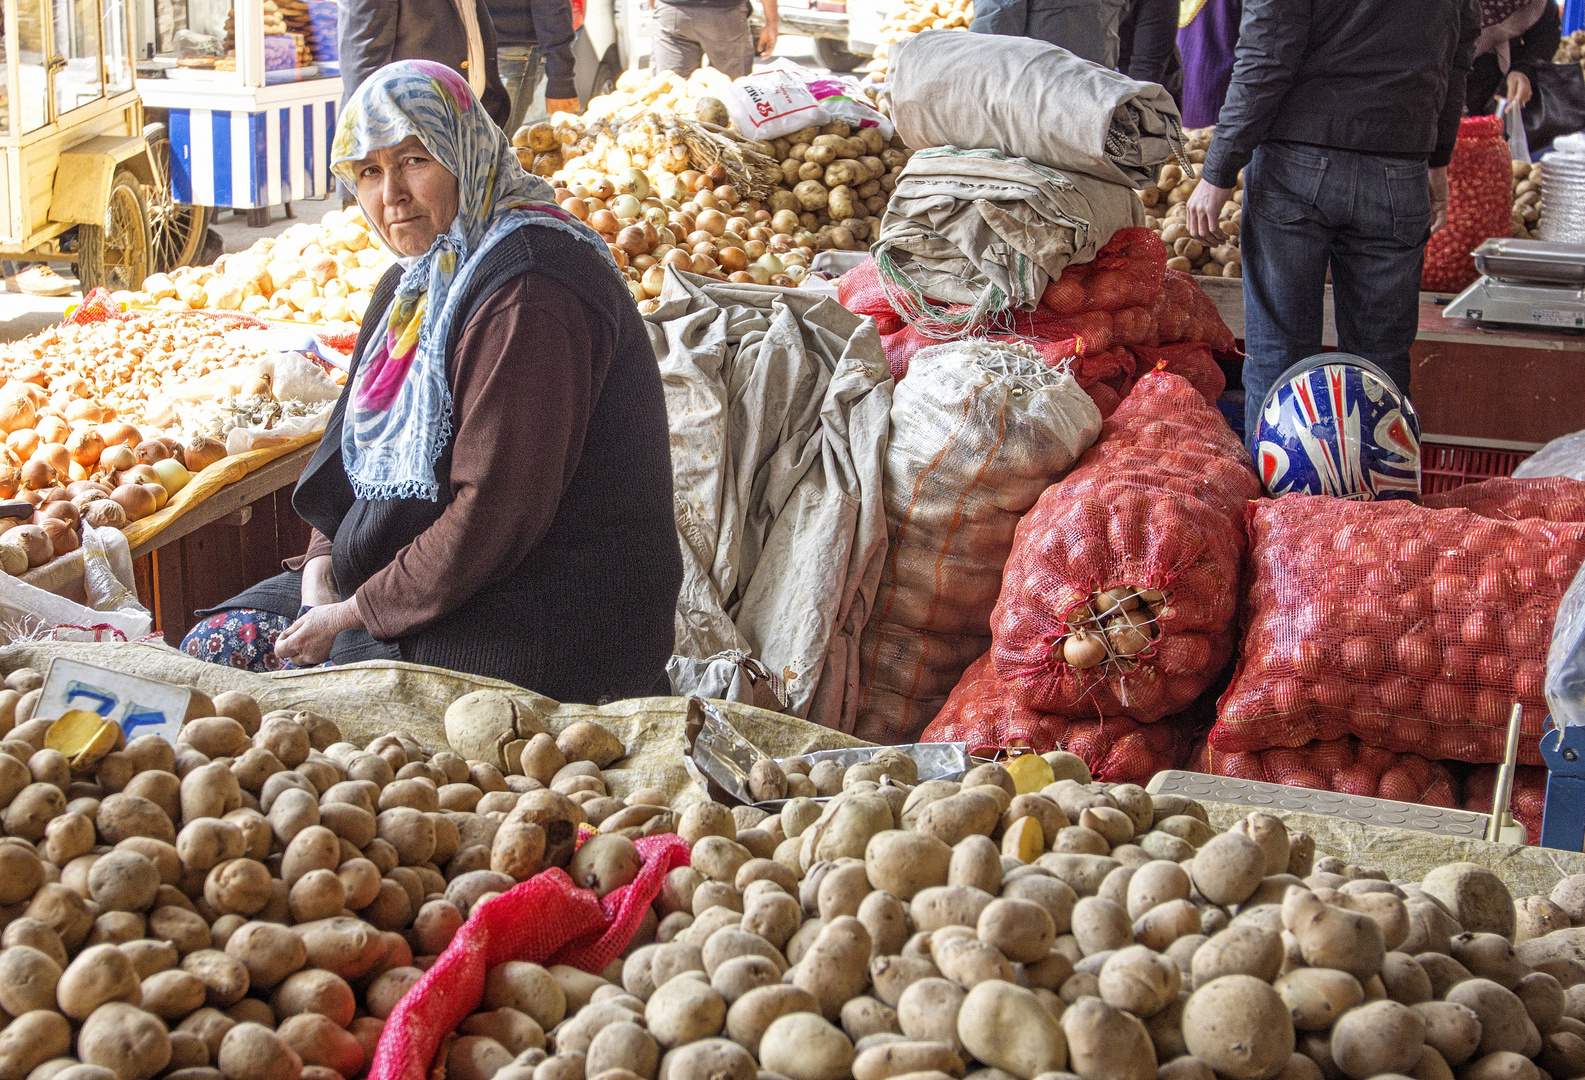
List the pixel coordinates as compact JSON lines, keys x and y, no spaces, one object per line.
{"x":1525,"y":283}
{"x":1258,"y":795}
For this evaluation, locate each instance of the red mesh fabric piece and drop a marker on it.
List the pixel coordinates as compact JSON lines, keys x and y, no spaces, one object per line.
{"x":1157,"y":503}
{"x":1528,"y":804}
{"x":1342,"y":765}
{"x":1126,"y":273}
{"x":1192,"y":360}
{"x":983,"y":712}
{"x":862,"y":292}
{"x":1479,"y":205}
{"x":1412,"y":629}
{"x":343,"y":341}
{"x":96,"y":307}
{"x":1550,"y":498}
{"x":547,"y":920}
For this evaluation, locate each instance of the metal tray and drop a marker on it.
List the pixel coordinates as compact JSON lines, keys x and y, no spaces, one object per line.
{"x":1531,"y":260}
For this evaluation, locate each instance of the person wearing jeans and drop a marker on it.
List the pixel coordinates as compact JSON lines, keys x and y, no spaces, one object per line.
{"x":1345,"y":116}
{"x":534,"y":37}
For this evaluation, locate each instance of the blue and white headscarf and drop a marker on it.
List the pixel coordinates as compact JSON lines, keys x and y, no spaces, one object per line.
{"x":398,"y":418}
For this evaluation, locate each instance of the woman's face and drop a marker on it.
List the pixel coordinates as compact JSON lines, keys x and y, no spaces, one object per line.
{"x":409,"y":196}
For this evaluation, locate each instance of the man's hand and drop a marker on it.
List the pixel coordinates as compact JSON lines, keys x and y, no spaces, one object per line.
{"x":1438,"y":178}
{"x":319,"y":583}
{"x":1519,"y":90}
{"x":767,"y":39}
{"x":308,"y":641}
{"x":565,"y":104}
{"x":1205,"y":212}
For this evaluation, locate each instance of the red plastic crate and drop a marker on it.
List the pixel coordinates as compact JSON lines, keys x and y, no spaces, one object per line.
{"x":1444,"y":467}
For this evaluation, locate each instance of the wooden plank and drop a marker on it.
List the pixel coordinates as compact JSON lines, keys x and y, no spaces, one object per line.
{"x":1519,"y":397}
{"x":262,"y":482}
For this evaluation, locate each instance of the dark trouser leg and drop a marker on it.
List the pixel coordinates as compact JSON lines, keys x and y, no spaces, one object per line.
{"x":1285,"y":240}
{"x":1378,"y":259}
{"x":519,"y":66}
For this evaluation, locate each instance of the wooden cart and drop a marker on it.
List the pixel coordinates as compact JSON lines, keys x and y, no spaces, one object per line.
{"x":82,"y":179}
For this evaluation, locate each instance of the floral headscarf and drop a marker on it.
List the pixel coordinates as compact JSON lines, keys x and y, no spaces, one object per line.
{"x":398,"y":418}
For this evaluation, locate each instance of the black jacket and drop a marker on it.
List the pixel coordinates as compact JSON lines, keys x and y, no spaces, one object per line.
{"x":373,"y":33}
{"x":1373,"y":76}
{"x":547,"y":24}
{"x":1086,"y":28}
{"x":1147,"y":41}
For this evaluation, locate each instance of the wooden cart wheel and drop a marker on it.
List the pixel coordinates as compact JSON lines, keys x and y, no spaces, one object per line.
{"x":117,"y":254}
{"x":176,"y":230}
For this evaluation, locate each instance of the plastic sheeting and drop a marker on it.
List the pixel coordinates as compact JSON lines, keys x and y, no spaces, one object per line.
{"x":779,"y":405}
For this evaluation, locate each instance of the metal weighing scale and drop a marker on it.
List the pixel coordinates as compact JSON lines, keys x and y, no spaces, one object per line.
{"x":1525,"y":283}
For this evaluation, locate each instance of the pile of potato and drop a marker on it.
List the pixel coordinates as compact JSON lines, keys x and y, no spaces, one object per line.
{"x":321,"y":274}
{"x":914,"y":17}
{"x":1527,"y":200}
{"x":252,"y":902}
{"x":1027,"y":923}
{"x":1167,"y":211}
{"x":1571,"y":50}
{"x":625,"y":169}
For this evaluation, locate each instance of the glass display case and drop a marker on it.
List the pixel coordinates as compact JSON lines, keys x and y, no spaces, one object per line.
{"x":248,"y":91}
{"x":76,"y":167}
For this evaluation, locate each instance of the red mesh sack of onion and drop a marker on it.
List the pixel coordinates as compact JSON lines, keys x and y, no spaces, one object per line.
{"x":1413,"y":629}
{"x":1120,"y":593}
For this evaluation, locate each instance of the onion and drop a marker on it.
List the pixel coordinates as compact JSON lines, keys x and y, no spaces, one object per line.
{"x":682,"y":260}
{"x":13,"y":560}
{"x":632,"y":240}
{"x":105,"y":513}
{"x":576,"y":207}
{"x":85,"y":445}
{"x":603,"y":222}
{"x":63,"y":538}
{"x":201,"y":451}
{"x":712,"y":222}
{"x":733,"y":259}
{"x":52,"y":429}
{"x":173,"y":477}
{"x":1083,"y":650}
{"x":10,"y":481}
{"x":35,"y":543}
{"x":38,"y":474}
{"x":137,"y":500}
{"x":151,"y":450}
{"x":23,"y":442}
{"x":120,"y":434}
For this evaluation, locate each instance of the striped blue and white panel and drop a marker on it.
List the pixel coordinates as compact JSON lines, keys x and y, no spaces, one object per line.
{"x":245,"y":160}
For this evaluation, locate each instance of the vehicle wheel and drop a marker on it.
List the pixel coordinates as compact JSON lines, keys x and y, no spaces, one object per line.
{"x":605,"y":77}
{"x":176,"y":230}
{"x":116,"y":255}
{"x":833,"y":56}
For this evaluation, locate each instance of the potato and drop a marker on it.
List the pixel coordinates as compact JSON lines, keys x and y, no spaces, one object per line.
{"x":1504,"y":1024}
{"x":100,"y":973}
{"x":1139,"y":980}
{"x":254,"y":1052}
{"x":529,"y":989}
{"x":224,"y":977}
{"x":1377,"y":1037}
{"x":1239,"y":950}
{"x":21,"y":872}
{"x":123,"y":881}
{"x":753,"y":1013}
{"x":173,"y":995}
{"x":29,"y":813}
{"x":1239,"y":1026}
{"x":904,"y":863}
{"x":129,"y":1042}
{"x":515,"y":1031}
{"x":1105,"y":1041}
{"x":584,"y":740}
{"x":1332,"y":937}
{"x":803,"y":1046}
{"x":684,"y":1010}
{"x":28,"y":978}
{"x":718,"y":1058}
{"x":269,"y":952}
{"x":1006,"y":1027}
{"x":929,"y":1009}
{"x":1316,"y":997}
{"x":31,"y":1039}
{"x":1021,"y":929}
{"x":240,"y":886}
{"x":318,"y":1040}
{"x":1474,"y":896}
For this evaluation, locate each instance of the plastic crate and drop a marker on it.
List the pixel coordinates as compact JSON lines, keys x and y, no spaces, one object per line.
{"x":1444,"y":467}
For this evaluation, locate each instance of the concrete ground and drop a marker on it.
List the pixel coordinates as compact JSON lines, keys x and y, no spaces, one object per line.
{"x":22,"y":315}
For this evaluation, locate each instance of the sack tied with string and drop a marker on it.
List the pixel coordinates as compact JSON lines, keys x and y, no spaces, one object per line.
{"x":978,"y":432}
{"x":1413,"y":629}
{"x":984,"y":713}
{"x":1119,"y":596}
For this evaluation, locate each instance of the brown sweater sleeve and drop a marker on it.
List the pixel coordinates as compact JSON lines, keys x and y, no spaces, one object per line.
{"x":526,"y":375}
{"x":317,"y":545}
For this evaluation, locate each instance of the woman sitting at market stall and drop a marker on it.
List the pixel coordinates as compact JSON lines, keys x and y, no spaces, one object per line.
{"x":493,"y":493}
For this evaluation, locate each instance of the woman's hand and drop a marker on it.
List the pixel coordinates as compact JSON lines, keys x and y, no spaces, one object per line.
{"x":308,"y":641}
{"x":319,"y":583}
{"x":1518,"y":90}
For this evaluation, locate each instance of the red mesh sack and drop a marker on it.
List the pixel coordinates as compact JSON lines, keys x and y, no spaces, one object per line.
{"x":1528,"y":804}
{"x":1156,"y":505}
{"x":343,"y":341}
{"x":1344,"y":765}
{"x":97,"y":306}
{"x":1479,"y":204}
{"x":546,"y":920}
{"x":1550,"y":498}
{"x":1126,"y":273}
{"x":1192,"y":360}
{"x":984,"y":713}
{"x":1185,"y":313}
{"x":1412,"y":629}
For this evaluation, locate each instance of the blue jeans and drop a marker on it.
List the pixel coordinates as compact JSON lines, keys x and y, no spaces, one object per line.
{"x":1308,"y":208}
{"x":520,"y":69}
